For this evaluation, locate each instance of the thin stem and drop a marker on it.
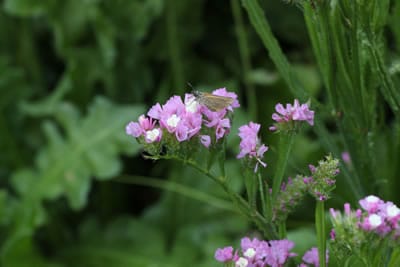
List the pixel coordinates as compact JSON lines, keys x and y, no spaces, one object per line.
{"x":174,"y":47}
{"x":177,"y":188}
{"x":282,"y":230}
{"x":243,"y":206}
{"x":320,"y":228}
{"x":262,"y":193}
{"x":285,"y":146}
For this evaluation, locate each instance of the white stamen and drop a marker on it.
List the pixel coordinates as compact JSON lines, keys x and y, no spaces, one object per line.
{"x":173,"y":120}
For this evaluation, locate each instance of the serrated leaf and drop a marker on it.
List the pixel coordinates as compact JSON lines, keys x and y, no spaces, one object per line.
{"x":90,"y":147}
{"x":64,"y":167}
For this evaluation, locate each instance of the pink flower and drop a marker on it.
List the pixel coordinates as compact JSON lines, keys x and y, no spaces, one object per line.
{"x":371,"y":203}
{"x":224,"y":254}
{"x":250,"y":143}
{"x":139,"y":128}
{"x":183,"y":120}
{"x":346,"y":157}
{"x":279,"y":252}
{"x":391,"y":213}
{"x":256,"y":252}
{"x":372,"y":222}
{"x":205,"y":140}
{"x":296,"y":112}
{"x":311,"y":257}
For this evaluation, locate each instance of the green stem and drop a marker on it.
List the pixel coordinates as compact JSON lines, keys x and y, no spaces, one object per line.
{"x":320,"y":228}
{"x":244,"y":57}
{"x":282,"y":230}
{"x":174,"y":48}
{"x":285,"y":146}
{"x":242,"y":205}
{"x":262,"y":193}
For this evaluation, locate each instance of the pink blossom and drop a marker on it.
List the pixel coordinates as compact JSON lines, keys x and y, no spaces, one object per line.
{"x":279,"y":252}
{"x":224,"y":254}
{"x":296,"y":112}
{"x":311,"y":257}
{"x":139,"y":128}
{"x":250,"y":143}
{"x":346,"y":157}
{"x":205,"y":140}
{"x":370,"y":203}
{"x":372,"y":222}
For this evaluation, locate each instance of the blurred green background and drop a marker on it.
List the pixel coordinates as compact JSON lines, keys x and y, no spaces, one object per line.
{"x":75,"y":190}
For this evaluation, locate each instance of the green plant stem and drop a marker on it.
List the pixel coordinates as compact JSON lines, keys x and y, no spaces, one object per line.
{"x":177,"y":188}
{"x":174,"y":48}
{"x":320,"y":228}
{"x":282,"y":230}
{"x":244,"y":57}
{"x":285,"y":146}
{"x":242,"y":205}
{"x":251,"y":187}
{"x":262,"y":193}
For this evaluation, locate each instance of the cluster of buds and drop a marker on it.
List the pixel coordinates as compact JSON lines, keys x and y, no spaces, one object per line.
{"x":290,"y":195}
{"x":376,"y":224}
{"x":179,"y":121}
{"x":257,"y":253}
{"x":322,"y":180}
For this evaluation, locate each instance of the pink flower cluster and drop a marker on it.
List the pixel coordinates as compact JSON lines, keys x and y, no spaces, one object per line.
{"x":296,"y":112}
{"x":257,"y":253}
{"x":311,"y":257}
{"x":250,"y":144}
{"x":183,"y":120}
{"x":382,"y":217}
{"x":379,"y":216}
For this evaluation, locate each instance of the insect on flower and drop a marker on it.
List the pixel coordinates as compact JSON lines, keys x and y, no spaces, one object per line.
{"x":212,"y":102}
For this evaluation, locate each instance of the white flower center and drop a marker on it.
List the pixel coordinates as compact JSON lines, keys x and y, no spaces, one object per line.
{"x":250,"y":252}
{"x":375,"y":220}
{"x":152,"y":135}
{"x":372,"y":199}
{"x":392,"y":211}
{"x":173,"y":120}
{"x":241,"y":262}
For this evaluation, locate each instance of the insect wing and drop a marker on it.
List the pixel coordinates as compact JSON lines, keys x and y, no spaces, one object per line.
{"x":215,"y":102}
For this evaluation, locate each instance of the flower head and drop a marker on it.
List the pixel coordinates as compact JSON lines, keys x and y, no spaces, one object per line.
{"x":250,"y":144}
{"x":179,"y":121}
{"x":224,"y":254}
{"x":375,"y":225}
{"x":286,"y":117}
{"x":255,"y":252}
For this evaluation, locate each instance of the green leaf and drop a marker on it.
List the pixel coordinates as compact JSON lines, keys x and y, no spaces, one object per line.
{"x":31,"y":256}
{"x":90,"y":148}
{"x":65,"y":166}
{"x":28,"y":7}
{"x":394,"y":258}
